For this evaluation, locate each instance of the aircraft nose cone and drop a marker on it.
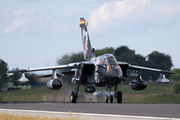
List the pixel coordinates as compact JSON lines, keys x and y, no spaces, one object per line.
{"x":115,"y":72}
{"x":114,"y":75}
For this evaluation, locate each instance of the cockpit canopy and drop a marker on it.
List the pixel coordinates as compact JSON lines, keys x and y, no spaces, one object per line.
{"x":107,"y":59}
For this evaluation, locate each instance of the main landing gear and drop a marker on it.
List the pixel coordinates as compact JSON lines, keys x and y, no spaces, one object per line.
{"x":110,"y":98}
{"x":117,"y":95}
{"x":74,"y":94}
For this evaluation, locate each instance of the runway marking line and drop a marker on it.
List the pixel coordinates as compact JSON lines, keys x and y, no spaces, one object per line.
{"x":86,"y":114}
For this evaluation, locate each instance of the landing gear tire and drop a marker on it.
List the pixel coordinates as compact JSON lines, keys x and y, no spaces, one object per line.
{"x":73,"y":97}
{"x":106,"y":99}
{"x":111,"y":98}
{"x":119,"y":97}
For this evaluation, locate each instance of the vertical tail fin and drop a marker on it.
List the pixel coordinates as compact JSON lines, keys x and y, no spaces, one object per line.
{"x":88,"y":50}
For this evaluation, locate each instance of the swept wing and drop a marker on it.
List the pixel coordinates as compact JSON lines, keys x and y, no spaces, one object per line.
{"x":126,"y":66}
{"x":68,"y":66}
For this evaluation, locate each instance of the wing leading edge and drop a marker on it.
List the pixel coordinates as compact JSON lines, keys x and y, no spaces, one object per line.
{"x":126,"y":66}
{"x":149,"y":69}
{"x":68,"y":66}
{"x":45,"y":68}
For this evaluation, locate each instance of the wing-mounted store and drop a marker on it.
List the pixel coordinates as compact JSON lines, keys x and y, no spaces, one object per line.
{"x":23,"y":80}
{"x":162,"y":79}
{"x":138,"y":83}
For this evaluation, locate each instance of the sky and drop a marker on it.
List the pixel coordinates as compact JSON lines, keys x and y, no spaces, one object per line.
{"x":34,"y":33}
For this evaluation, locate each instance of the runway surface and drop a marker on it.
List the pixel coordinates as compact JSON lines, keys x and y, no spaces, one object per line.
{"x":151,"y":110}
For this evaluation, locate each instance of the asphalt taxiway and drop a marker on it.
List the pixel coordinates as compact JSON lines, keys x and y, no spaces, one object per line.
{"x":132,"y":110}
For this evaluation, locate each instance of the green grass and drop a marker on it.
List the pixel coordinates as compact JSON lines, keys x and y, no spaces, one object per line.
{"x":162,"y":99}
{"x":152,"y":94}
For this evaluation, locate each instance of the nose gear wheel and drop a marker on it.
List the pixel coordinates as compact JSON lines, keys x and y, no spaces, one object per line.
{"x":111,"y":98}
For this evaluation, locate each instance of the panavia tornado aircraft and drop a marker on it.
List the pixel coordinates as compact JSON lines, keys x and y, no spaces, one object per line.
{"x":101,"y":71}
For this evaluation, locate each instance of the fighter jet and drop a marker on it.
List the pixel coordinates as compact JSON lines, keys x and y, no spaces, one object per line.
{"x":101,"y":71}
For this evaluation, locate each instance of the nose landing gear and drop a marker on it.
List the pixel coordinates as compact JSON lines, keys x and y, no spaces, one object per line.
{"x":117,"y":94}
{"x":109,"y":96}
